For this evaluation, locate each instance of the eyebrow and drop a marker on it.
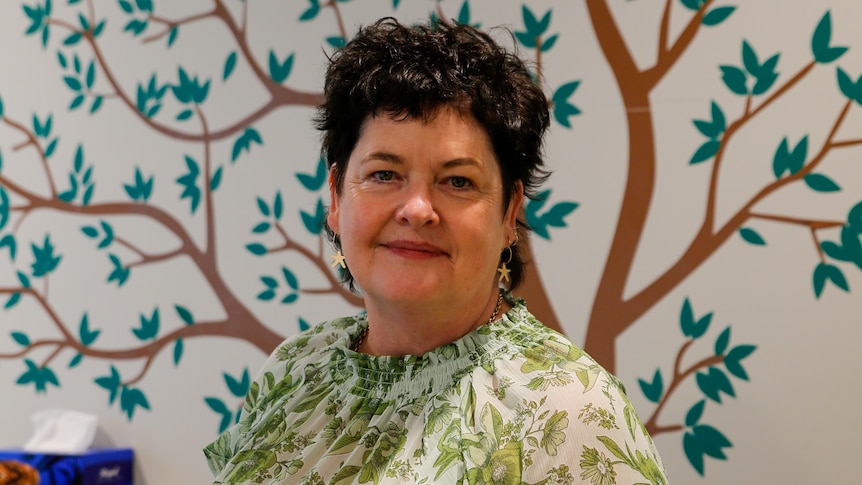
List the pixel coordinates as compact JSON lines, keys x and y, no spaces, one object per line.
{"x":395,"y":159}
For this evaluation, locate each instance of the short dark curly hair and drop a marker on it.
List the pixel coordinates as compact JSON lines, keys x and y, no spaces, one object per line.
{"x":413,"y":71}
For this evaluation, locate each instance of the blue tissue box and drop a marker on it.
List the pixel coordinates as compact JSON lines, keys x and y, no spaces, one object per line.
{"x":94,"y":467}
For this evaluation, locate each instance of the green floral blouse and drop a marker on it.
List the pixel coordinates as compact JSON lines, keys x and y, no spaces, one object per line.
{"x":511,"y":403}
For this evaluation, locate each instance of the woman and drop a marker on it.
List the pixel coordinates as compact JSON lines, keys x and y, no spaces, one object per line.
{"x":434,"y":138}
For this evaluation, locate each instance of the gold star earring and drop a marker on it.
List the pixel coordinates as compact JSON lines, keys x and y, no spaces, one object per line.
{"x":503,"y":269}
{"x":338,"y":260}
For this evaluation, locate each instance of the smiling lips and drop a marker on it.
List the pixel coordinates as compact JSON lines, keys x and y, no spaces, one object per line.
{"x":414,"y":250}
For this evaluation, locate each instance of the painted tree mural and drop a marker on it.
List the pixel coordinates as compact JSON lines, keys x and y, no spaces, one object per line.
{"x":177,"y":109}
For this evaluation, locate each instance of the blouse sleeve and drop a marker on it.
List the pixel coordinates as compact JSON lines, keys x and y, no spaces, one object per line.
{"x":553,"y":415}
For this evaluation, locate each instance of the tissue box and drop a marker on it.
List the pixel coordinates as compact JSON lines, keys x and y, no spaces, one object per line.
{"x":93,"y":467}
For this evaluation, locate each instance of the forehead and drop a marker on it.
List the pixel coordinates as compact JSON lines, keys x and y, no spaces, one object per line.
{"x":439,"y":132}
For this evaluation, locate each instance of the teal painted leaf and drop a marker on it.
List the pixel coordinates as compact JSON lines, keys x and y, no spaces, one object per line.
{"x":145,"y":5}
{"x":526,"y":39}
{"x":90,"y":78}
{"x":712,"y":441}
{"x":722,"y":342}
{"x":256,"y":249}
{"x":269,"y":281}
{"x":854,"y":217}
{"x":178,"y":351}
{"x":277,"y":206}
{"x":229,"y":65}
{"x":686,"y":319}
{"x":217,"y":405}
{"x":45,"y":261}
{"x":131,"y":399}
{"x":706,"y":151}
{"x":120,"y":274}
{"x":823,"y":52}
{"x":189,"y":183}
{"x":52,"y":145}
{"x":238,"y":387}
{"x":12,"y":301}
{"x":464,"y":14}
{"x":23,"y":279}
{"x":733,"y":358}
{"x":266,"y":295}
{"x":110,"y":383}
{"x":136,"y":27}
{"x":97,"y":103}
{"x":5,"y":208}
{"x":846,"y":84}
{"x":216,"y":180}
{"x":99,"y":28}
{"x":185,"y":315}
{"x":290,"y":278}
{"x":563,"y":109}
{"x":714,"y":128}
{"x":77,"y":102}
{"x":78,"y":162}
{"x":72,"y":39}
{"x":735,"y":79}
{"x":172,"y":36}
{"x":693,"y":452}
{"x":185,"y":115}
{"x":76,"y":360}
{"x":263,"y":207}
{"x":8,"y":241}
{"x":303,"y":325}
{"x":314,"y":223}
{"x":40,"y":377}
{"x":835,"y":251}
{"x":314,"y":182}
{"x":261,"y":228}
{"x":88,"y":194}
{"x":88,"y":336}
{"x":749,"y":59}
{"x":717,"y":16}
{"x":763,"y":83}
{"x":109,"y":235}
{"x":821,"y":183}
{"x":149,"y":328}
{"x":249,"y":136}
{"x":548,"y":44}
{"x":653,"y":390}
{"x":336,"y":41}
{"x":826,"y":272}
{"x":713,"y":382}
{"x":279,"y":71}
{"x":311,"y":12}
{"x":291,"y":298}
{"x":692,"y":327}
{"x":692,"y":4}
{"x":787,"y":160}
{"x":21,"y":339}
{"x":751,"y":236}
{"x":692,"y":417}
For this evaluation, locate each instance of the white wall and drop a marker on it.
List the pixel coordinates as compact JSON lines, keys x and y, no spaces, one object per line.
{"x":801,"y":380}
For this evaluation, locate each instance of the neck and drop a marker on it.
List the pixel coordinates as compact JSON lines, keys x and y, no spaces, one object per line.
{"x":418,"y":327}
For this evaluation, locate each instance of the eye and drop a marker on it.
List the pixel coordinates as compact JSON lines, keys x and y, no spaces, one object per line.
{"x":383,"y":175}
{"x":460,"y":182}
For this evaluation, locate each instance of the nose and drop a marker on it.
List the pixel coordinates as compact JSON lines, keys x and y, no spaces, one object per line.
{"x":418,"y":208}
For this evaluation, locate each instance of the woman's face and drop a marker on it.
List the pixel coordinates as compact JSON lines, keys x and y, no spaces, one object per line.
{"x":420,"y":213}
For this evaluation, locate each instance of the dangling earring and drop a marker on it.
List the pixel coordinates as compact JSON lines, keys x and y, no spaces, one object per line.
{"x":503,"y":269}
{"x":338,"y":260}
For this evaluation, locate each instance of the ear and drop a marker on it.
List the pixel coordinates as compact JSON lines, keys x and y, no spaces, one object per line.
{"x":334,"y":205}
{"x":511,"y":216}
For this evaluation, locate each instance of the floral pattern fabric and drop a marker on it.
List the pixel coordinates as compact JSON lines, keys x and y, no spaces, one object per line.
{"x":513,"y":402}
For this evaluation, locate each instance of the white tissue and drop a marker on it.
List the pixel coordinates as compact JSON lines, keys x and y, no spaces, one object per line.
{"x":60,"y":431}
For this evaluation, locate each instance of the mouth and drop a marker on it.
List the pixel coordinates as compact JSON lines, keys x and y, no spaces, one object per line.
{"x":414,"y":250}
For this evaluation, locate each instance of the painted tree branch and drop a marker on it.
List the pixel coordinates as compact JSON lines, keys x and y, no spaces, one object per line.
{"x":679,"y":376}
